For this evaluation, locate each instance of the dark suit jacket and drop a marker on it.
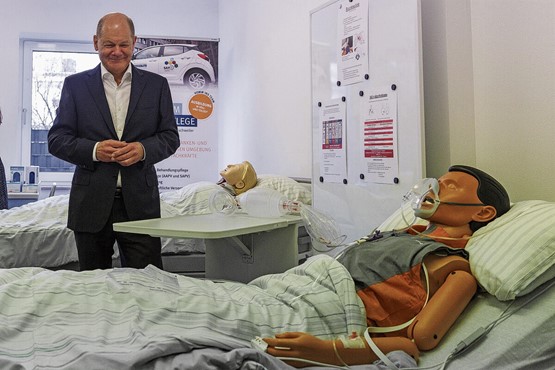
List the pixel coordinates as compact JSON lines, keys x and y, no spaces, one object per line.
{"x":83,"y":119}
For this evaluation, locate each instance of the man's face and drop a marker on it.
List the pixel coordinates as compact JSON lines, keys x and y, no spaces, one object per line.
{"x":115,"y":45}
{"x":458,"y":187}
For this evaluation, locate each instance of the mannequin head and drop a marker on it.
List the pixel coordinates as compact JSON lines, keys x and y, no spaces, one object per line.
{"x":241,"y":177}
{"x":489,"y":191}
{"x":469,"y":199}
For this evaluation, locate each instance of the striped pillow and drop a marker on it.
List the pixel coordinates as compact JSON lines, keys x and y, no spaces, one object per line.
{"x":512,"y":255}
{"x":515,"y":254}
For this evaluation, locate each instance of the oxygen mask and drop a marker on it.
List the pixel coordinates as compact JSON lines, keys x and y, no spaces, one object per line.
{"x":424,"y":198}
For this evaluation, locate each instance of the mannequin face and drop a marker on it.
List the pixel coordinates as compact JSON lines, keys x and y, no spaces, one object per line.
{"x":233,"y":173}
{"x":460,"y":187}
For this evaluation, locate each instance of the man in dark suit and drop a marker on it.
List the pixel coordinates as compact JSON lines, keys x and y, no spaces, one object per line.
{"x":114,"y":122}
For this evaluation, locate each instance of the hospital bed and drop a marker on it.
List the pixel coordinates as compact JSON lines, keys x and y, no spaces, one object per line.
{"x":36,"y":235}
{"x":153,"y":319}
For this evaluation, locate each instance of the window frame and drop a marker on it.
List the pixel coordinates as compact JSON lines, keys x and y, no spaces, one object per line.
{"x":29,"y":46}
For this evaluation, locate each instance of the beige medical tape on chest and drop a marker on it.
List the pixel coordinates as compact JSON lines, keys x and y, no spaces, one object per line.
{"x":389,"y":329}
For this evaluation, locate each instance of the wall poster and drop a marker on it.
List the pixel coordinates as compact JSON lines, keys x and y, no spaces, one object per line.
{"x":191,"y":67}
{"x":334,"y":141}
{"x":352,"y":34}
{"x":379,"y":135}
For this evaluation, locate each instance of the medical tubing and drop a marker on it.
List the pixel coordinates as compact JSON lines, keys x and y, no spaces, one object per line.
{"x":375,"y":234}
{"x":378,"y":352}
{"x":337,"y":353}
{"x":468,"y":341}
{"x":482,"y":332}
{"x":390,"y":329}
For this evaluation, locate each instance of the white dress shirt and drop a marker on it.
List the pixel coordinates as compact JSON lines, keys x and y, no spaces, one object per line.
{"x":117,"y":96}
{"x":118,"y":101}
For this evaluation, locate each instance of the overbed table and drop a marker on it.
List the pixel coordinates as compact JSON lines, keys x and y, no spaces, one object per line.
{"x":238,"y":247}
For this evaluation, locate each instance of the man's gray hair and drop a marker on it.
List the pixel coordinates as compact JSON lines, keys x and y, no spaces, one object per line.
{"x":101,"y":24}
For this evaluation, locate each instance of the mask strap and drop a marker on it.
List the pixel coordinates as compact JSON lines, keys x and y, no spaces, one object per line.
{"x":462,"y":204}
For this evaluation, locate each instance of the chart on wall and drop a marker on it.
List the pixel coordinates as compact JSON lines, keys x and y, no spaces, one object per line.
{"x":191,"y":68}
{"x":367,"y":113}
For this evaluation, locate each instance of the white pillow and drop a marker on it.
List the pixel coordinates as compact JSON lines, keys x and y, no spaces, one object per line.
{"x":515,"y":254}
{"x":192,"y":199}
{"x":286,"y":186}
{"x":512,"y":255}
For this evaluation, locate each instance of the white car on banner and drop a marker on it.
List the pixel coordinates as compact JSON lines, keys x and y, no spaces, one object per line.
{"x":179,"y":63}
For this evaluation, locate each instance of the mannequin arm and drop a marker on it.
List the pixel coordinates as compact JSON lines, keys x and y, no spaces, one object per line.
{"x":443,"y":309}
{"x":306,"y":346}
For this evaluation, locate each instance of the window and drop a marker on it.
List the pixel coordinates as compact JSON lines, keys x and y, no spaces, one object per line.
{"x":148,"y":53}
{"x":170,"y":50}
{"x":46,"y":65}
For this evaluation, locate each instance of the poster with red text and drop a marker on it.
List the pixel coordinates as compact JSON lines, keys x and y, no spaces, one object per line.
{"x":379,"y":136}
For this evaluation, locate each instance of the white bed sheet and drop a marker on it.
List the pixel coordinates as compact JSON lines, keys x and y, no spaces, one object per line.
{"x":35,"y":234}
{"x":126,"y":318}
{"x":524,"y":340}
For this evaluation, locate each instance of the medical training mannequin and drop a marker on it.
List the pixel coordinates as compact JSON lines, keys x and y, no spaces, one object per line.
{"x":468,"y":199}
{"x":238,"y":177}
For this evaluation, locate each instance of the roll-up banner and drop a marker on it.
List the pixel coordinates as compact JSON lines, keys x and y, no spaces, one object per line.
{"x":191,"y":68}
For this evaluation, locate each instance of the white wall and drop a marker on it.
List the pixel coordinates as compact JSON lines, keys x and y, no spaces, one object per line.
{"x":264,"y":84}
{"x":489,"y":90}
{"x":448,"y":84}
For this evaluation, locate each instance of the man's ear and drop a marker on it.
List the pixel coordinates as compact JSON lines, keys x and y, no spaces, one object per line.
{"x":485,"y":214}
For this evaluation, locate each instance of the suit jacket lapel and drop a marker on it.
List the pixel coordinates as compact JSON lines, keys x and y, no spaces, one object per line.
{"x":137,"y":85}
{"x":96,"y":88}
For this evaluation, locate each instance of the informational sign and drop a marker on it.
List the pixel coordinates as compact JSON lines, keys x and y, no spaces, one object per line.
{"x":334,"y":141}
{"x":372,"y":192}
{"x":352,"y":58}
{"x":191,"y":68}
{"x":379,"y":135}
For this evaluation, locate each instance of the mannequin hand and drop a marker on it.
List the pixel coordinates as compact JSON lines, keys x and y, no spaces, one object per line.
{"x":306,"y":346}
{"x":301,"y":345}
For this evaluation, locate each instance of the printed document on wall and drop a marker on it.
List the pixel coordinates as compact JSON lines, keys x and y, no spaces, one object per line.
{"x":352,"y":51}
{"x":379,"y":134}
{"x":333,"y":155}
